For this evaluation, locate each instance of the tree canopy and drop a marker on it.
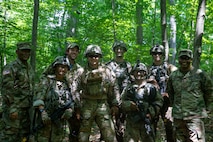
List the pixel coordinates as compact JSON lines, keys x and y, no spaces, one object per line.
{"x":102,"y":22}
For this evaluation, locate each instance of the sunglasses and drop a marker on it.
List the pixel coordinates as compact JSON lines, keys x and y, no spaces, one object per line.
{"x":185,"y":58}
{"x":157,"y":53}
{"x":93,"y":56}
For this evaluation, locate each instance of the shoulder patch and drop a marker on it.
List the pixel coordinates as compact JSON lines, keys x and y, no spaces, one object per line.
{"x":5,"y":72}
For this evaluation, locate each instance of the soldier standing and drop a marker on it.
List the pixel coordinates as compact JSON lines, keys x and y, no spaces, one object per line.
{"x":141,"y":101}
{"x":99,"y":96}
{"x":71,"y":53}
{"x":122,"y":70}
{"x":17,"y":95}
{"x":191,"y":94}
{"x":54,"y":104}
{"x":160,"y":71}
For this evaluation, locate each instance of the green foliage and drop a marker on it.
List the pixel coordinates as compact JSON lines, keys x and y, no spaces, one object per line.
{"x":94,"y":22}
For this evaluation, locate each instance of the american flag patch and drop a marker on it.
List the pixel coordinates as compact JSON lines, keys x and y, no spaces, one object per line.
{"x":5,"y":72}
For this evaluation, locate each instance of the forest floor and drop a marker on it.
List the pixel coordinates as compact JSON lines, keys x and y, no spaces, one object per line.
{"x":160,"y":137}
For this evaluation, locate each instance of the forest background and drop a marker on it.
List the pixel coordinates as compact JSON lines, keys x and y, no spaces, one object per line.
{"x":49,"y":24}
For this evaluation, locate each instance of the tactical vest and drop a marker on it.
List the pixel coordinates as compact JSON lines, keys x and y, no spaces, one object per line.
{"x":58,"y":94}
{"x":94,"y":83}
{"x":161,"y":75}
{"x":121,"y":71}
{"x":144,"y":97}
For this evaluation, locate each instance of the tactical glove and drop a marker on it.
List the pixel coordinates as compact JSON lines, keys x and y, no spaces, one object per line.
{"x":45,"y":118}
{"x":114,"y":110}
{"x":67,"y":114}
{"x":133,"y":106}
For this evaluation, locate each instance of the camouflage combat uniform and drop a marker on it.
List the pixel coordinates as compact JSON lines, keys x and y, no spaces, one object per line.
{"x":122,"y":71}
{"x":72,"y":76}
{"x":148,"y":101}
{"x":191,"y":94}
{"x":161,"y":74}
{"x":53,"y":94}
{"x":17,"y":97}
{"x":98,"y":94}
{"x":74,"y":72}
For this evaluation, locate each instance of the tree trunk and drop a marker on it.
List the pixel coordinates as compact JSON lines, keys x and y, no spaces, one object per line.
{"x":139,"y":21}
{"x":199,"y":33}
{"x":34,"y":34}
{"x":163,"y":28}
{"x":173,"y":35}
{"x":113,"y":20}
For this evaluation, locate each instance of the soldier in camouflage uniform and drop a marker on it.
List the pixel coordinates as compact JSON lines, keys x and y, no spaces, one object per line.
{"x":53,"y":94}
{"x":71,"y":53}
{"x":122,"y":70}
{"x":17,"y":96}
{"x":141,"y":101}
{"x":160,"y":71}
{"x":191,"y":94}
{"x":99,"y":98}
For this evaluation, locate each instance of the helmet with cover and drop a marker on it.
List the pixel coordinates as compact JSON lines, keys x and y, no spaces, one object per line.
{"x":140,"y":67}
{"x":119,"y":43}
{"x":60,"y":61}
{"x":157,"y":49}
{"x":93,"y":50}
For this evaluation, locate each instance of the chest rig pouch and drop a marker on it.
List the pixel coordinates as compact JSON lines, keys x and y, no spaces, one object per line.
{"x":93,"y":83}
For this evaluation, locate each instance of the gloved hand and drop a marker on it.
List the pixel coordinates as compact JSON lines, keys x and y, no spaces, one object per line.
{"x":168,"y":114}
{"x":133,"y":106}
{"x":45,"y":118}
{"x":14,"y":115}
{"x":114,"y":110}
{"x":67,"y":114}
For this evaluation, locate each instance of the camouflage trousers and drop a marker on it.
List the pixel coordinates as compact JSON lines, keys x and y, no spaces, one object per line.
{"x":136,"y":132}
{"x":96,"y":111}
{"x":52,"y":133}
{"x":16,"y":130}
{"x":189,"y":130}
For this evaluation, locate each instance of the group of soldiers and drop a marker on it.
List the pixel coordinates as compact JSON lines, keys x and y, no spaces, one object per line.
{"x":125,"y":101}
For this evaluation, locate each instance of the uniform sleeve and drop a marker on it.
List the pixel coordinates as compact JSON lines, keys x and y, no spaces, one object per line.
{"x":207,"y":88}
{"x":126,"y":102}
{"x":9,"y":88}
{"x":41,"y":91}
{"x":113,"y":95}
{"x":170,"y":90}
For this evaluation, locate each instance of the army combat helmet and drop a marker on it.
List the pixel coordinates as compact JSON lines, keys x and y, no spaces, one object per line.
{"x":93,"y":50}
{"x":140,"y":67}
{"x":119,"y":43}
{"x":60,"y":61}
{"x":157,"y":49}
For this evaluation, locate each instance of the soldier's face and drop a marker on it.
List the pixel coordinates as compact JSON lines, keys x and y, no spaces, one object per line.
{"x":157,"y":56}
{"x":93,"y":61}
{"x":61,"y":70}
{"x":185,"y":62}
{"x":139,"y":75}
{"x":23,"y":54}
{"x":119,"y":51}
{"x":72,"y":53}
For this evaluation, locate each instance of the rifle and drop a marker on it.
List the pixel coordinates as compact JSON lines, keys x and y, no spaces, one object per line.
{"x":55,"y":117}
{"x":57,"y":114}
{"x":138,"y":99}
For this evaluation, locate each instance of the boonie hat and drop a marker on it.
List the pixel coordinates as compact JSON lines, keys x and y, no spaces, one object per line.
{"x":186,"y":52}
{"x":23,"y":45}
